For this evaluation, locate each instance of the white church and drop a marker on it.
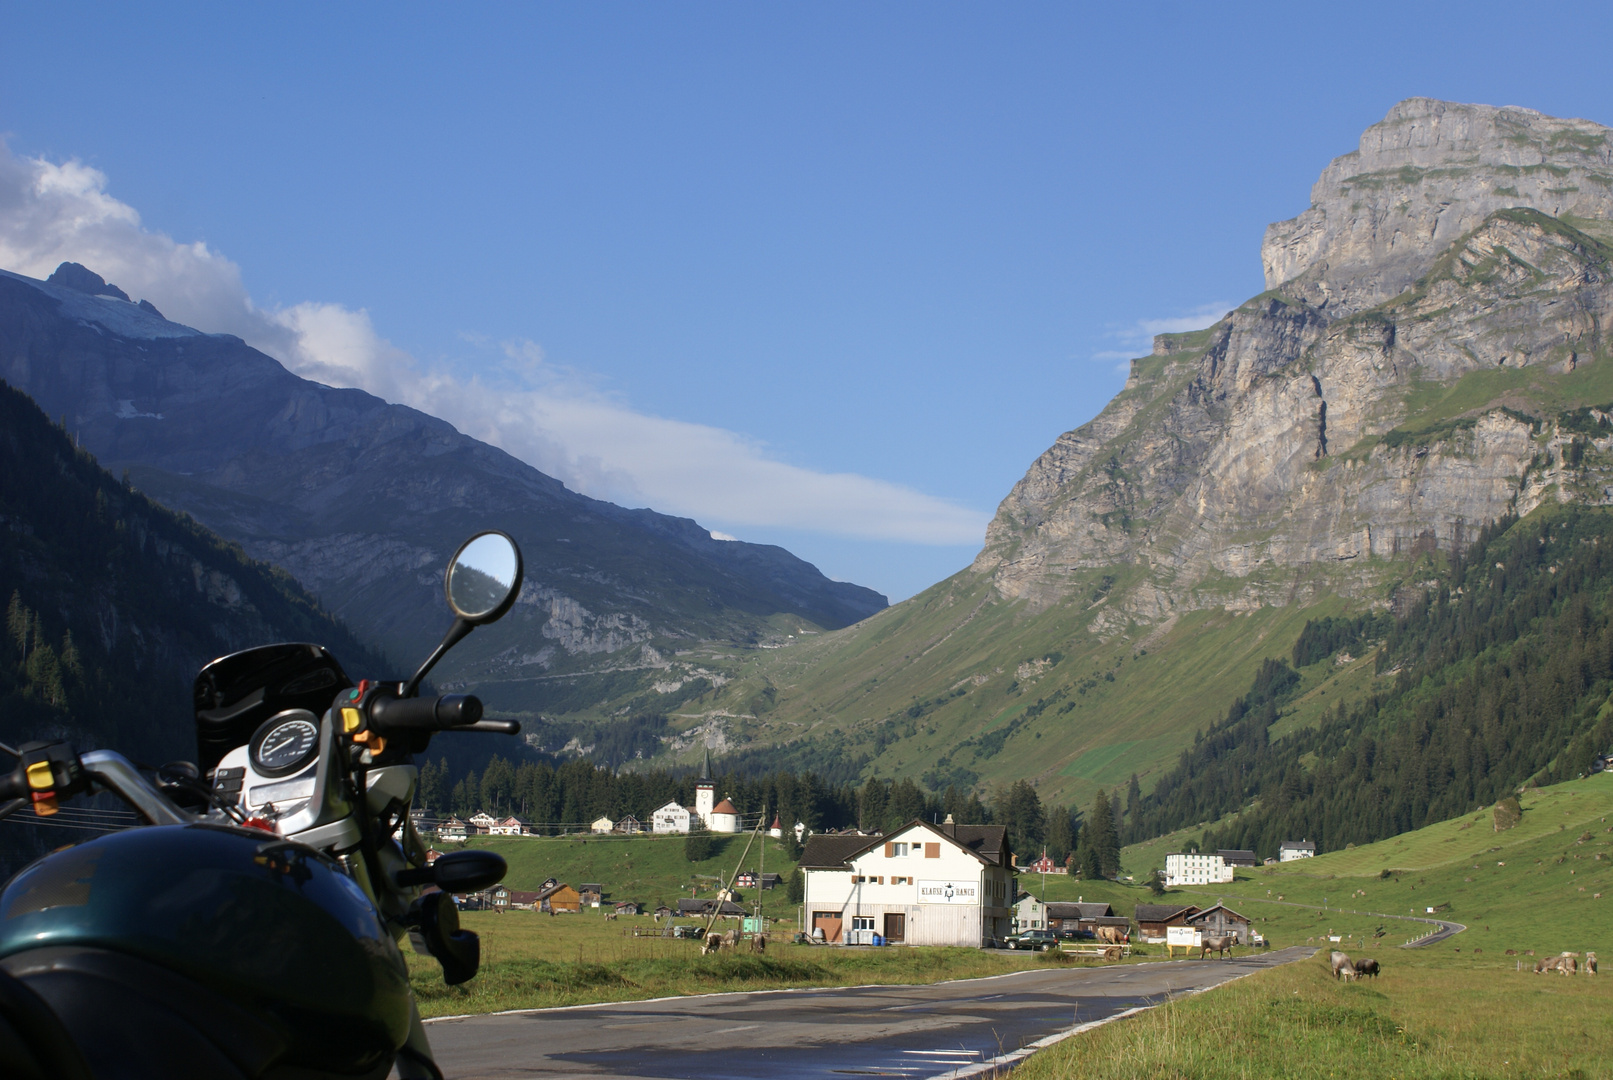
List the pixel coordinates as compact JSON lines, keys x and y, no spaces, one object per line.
{"x":719,"y":817}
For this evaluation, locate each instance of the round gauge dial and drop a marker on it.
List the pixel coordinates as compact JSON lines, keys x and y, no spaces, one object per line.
{"x":285,"y":743}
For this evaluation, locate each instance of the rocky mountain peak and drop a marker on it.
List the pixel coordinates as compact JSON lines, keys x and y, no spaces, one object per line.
{"x":1429,"y":172}
{"x":80,"y":278}
{"x":1436,"y":330}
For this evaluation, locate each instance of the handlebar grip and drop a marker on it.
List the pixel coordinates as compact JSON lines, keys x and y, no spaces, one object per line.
{"x":430,"y":714}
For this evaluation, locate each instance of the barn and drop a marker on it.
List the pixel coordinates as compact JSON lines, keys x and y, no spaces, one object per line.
{"x":1152,"y":919}
{"x":1221,"y":919}
{"x":558,"y":897}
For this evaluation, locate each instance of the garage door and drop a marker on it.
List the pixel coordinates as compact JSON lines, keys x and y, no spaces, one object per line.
{"x":828,"y":922}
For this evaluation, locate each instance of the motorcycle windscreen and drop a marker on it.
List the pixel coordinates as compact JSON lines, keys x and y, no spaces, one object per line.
{"x":236,"y":693}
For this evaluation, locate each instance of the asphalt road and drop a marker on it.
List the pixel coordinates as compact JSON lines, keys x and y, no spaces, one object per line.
{"x":907,"y":1031}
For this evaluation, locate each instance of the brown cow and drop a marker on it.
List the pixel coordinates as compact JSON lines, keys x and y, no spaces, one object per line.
{"x":1111,"y":935}
{"x":1365,"y":966}
{"x":758,"y":944}
{"x":1590,"y":963}
{"x":1221,"y":945}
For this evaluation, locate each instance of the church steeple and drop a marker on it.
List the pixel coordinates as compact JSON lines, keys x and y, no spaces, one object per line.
{"x":704,"y":791}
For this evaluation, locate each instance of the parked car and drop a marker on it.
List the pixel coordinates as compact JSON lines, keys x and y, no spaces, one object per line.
{"x":1042,"y":940}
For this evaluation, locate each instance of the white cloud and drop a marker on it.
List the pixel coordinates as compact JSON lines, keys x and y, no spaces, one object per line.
{"x":552,"y":419}
{"x":1138,"y":338}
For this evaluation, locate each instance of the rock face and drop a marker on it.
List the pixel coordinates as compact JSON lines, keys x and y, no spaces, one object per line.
{"x":1431,"y":171}
{"x":364,"y":502}
{"x":1432,"y":321}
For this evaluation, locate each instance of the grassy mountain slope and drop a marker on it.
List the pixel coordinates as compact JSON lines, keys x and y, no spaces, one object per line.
{"x":1497,"y":675}
{"x":1533,"y":886}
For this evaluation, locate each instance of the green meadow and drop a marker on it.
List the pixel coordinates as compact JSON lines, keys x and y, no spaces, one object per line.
{"x":649,"y":869}
{"x":1468,"y":1007}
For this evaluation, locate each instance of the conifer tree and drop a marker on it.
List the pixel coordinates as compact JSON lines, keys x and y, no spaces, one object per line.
{"x":19,"y":621}
{"x":1103,"y":836}
{"x":1060,"y":834}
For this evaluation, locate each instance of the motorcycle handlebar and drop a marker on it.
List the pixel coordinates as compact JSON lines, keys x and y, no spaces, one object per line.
{"x":13,"y":785}
{"x":449,"y":712}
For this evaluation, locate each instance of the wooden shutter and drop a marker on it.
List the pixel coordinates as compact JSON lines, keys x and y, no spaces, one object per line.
{"x":932,"y":851}
{"x":889,"y":848}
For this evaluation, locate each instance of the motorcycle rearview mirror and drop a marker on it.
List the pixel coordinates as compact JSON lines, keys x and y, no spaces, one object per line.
{"x":435,"y":919}
{"x":482,"y":583}
{"x":468,"y":871}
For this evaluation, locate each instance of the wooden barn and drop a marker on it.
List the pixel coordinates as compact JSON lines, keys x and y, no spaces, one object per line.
{"x":1152,"y":919}
{"x":559,"y":897}
{"x":1221,"y":919}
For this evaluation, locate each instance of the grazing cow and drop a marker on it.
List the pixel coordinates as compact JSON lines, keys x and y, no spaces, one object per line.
{"x":1221,"y":945}
{"x":611,"y":915}
{"x":1339,"y":962}
{"x":1365,"y":966}
{"x":1111,"y":935}
{"x":1590,"y":963}
{"x":1568,"y":965}
{"x":758,"y":944}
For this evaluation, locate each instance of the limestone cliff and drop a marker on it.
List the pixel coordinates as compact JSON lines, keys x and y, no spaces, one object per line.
{"x":1432,"y":322}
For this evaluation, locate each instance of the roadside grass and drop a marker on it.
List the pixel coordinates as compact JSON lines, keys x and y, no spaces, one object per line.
{"x":1428,"y":1015}
{"x":534,"y":961}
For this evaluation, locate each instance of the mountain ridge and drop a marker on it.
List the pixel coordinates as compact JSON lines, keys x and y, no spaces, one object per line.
{"x":363,"y":501}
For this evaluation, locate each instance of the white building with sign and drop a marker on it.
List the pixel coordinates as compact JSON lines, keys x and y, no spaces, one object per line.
{"x":924,"y":884}
{"x":1195,"y":868}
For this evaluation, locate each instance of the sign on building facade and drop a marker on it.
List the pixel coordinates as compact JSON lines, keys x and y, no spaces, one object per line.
{"x":949,"y":892}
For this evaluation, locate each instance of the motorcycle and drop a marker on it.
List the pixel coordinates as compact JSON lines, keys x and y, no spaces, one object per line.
{"x":251,"y":928}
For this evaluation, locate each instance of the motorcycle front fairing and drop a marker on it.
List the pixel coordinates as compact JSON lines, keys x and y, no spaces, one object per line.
{"x":273,"y":928}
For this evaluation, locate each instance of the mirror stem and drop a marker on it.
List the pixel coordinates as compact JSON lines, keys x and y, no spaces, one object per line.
{"x":456,"y":633}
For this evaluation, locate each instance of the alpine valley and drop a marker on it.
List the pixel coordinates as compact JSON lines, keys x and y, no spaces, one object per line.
{"x":1275,"y":553}
{"x":1430,"y":358}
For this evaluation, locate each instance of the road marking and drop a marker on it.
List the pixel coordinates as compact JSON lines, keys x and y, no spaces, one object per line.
{"x":742,"y":1027}
{"x":947,"y":1053}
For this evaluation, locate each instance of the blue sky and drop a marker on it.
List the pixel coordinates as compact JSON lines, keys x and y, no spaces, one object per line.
{"x":829,"y":276}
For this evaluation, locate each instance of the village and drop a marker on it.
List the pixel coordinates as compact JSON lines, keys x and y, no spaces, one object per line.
{"x":922,"y":883}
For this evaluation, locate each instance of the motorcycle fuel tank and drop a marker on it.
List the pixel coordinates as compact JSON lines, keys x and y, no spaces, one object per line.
{"x":271,"y":925}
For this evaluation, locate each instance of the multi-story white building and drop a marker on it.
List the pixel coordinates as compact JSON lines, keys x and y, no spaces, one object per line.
{"x":924,"y":884}
{"x":671,"y":818}
{"x":1195,"y":868}
{"x":1295,"y":849}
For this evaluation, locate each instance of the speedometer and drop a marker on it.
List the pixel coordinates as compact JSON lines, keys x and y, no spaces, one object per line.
{"x":286,"y":742}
